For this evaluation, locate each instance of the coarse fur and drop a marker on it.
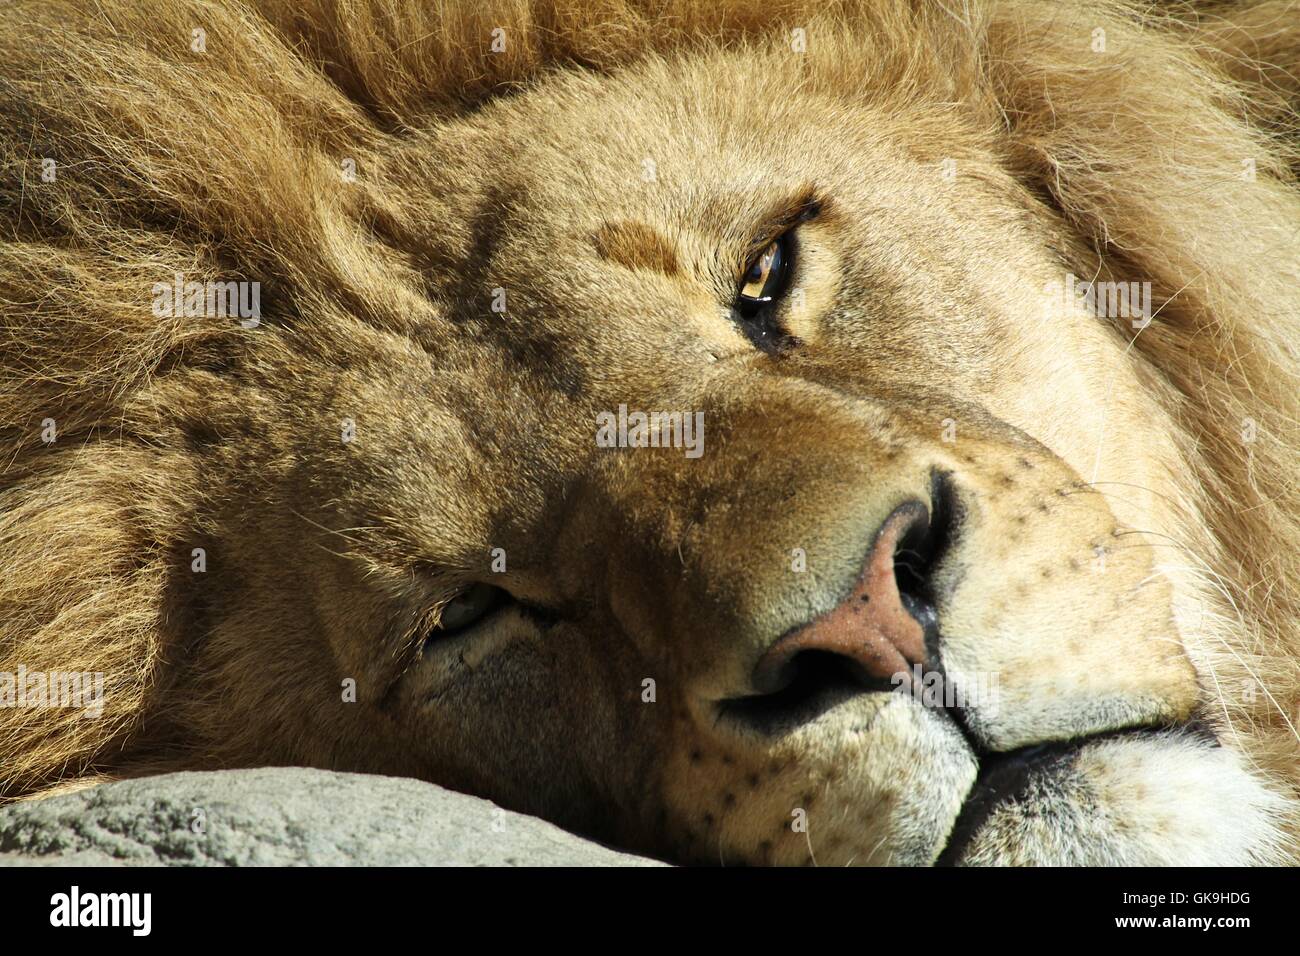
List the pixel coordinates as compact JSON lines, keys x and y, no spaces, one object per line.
{"x":389,"y":172}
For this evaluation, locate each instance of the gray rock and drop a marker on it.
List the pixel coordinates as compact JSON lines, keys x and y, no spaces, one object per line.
{"x":284,"y":816}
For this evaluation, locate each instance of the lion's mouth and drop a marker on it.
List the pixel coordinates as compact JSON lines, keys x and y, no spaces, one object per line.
{"x":1007,"y":777}
{"x":1003,"y":777}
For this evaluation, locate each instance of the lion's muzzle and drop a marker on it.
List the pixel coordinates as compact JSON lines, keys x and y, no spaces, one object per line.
{"x":854,"y":626}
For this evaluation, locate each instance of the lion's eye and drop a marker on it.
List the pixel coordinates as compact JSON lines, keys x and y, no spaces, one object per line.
{"x":468,"y":607}
{"x":766,"y":277}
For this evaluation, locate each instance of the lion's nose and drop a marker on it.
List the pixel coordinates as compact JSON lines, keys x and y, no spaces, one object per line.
{"x":879,"y":630}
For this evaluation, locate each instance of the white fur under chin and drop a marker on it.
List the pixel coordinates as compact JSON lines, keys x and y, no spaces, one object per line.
{"x":1157,"y":800}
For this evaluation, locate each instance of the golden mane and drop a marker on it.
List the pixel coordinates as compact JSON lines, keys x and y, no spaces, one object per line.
{"x":1170,"y":156}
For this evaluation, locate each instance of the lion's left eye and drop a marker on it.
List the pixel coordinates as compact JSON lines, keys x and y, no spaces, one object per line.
{"x":766,"y":277}
{"x":468,"y":607}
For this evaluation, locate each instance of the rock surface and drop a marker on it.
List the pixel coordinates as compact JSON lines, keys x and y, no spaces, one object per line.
{"x":286,"y":816}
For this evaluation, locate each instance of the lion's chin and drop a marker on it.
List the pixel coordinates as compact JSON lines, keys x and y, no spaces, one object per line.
{"x":1168,"y":798}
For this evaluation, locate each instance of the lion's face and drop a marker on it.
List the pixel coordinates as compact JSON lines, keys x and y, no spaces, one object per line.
{"x":712,"y":450}
{"x":899,"y":598}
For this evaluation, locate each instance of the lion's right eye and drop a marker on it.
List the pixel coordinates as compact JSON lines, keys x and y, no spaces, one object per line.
{"x":468,"y":608}
{"x":766,"y":278}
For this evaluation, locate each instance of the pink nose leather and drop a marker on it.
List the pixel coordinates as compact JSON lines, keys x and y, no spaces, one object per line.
{"x":870,"y":627}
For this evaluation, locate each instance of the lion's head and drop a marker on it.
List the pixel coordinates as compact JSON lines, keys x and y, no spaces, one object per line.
{"x":742,"y":432}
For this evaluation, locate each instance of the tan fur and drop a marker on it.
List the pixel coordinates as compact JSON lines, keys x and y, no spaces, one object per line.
{"x":518,"y":170}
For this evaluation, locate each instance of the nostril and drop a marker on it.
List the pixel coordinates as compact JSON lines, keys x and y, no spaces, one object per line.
{"x":913,"y":562}
{"x":882,"y":629}
{"x":922,"y":546}
{"x":807,"y":684}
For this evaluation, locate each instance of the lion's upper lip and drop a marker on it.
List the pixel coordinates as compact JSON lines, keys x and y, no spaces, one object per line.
{"x":1006,"y":776}
{"x":1002,"y":777}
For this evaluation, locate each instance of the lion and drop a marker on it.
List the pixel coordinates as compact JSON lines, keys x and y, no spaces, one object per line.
{"x":741,"y":432}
